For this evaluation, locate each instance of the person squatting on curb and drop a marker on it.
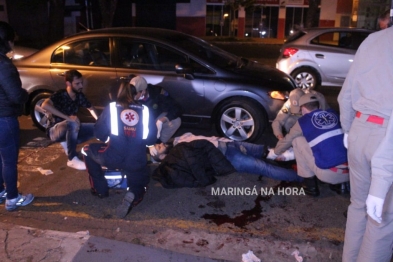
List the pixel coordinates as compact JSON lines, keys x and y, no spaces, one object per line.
{"x":63,"y":124}
{"x":12,"y":99}
{"x":365,"y":102}
{"x":127,"y":128}
{"x":318,"y":146}
{"x":166,"y":111}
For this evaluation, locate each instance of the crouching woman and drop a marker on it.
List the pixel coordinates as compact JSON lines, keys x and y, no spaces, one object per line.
{"x":127,"y":129}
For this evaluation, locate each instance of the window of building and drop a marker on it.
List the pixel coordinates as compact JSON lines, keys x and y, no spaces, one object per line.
{"x":261,"y":22}
{"x":295,"y":19}
{"x":218,"y":20}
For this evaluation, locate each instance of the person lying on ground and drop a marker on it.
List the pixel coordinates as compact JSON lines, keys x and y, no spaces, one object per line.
{"x":188,"y":150}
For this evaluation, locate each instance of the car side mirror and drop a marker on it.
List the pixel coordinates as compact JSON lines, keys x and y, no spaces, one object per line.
{"x":186,"y":70}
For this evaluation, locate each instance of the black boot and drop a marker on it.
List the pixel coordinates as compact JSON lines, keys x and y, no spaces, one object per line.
{"x":310,"y":186}
{"x":342,"y":188}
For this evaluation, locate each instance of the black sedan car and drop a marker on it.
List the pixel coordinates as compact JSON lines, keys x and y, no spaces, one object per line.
{"x":237,"y":95}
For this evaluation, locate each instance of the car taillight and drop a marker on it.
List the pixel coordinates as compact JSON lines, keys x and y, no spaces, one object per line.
{"x":288,"y":52}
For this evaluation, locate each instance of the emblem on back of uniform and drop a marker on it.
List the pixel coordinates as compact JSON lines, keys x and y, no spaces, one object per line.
{"x":324,"y":120}
{"x":129,"y":117}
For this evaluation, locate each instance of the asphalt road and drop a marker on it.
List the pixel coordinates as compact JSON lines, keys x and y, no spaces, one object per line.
{"x":188,"y":220}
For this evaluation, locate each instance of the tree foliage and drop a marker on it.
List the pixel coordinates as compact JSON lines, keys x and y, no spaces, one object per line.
{"x":108,"y":8}
{"x":236,"y":4}
{"x":56,"y":20}
{"x":312,"y":14}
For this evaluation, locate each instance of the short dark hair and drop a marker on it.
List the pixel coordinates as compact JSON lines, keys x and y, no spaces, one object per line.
{"x":168,"y":147}
{"x":71,"y":74}
{"x":384,"y":15}
{"x":312,"y":105}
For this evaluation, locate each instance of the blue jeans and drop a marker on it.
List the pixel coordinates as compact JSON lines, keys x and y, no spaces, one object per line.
{"x":247,"y":158}
{"x":73,"y":133}
{"x":9,"y":150}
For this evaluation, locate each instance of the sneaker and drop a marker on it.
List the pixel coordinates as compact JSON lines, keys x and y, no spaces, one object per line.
{"x":20,"y":201}
{"x":3,"y":196}
{"x":125,"y":206}
{"x":64,"y":146}
{"x":76,"y":163}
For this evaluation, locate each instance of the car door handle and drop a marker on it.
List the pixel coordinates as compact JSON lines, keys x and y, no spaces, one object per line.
{"x":319,"y":56}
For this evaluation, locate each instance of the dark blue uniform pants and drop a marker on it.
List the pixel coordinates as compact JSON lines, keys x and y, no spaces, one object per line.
{"x":96,"y":156}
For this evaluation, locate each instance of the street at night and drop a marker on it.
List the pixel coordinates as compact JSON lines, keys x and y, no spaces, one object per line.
{"x":239,"y":212}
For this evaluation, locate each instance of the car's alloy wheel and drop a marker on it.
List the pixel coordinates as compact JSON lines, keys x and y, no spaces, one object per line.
{"x":305,"y":78}
{"x":240,"y":120}
{"x":37,"y":113}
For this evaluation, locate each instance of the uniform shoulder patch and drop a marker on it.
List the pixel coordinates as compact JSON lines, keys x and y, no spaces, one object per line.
{"x":284,"y":110}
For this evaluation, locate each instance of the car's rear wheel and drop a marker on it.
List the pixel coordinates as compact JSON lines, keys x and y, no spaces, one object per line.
{"x":37,"y":113}
{"x":306,"y":78}
{"x":240,"y":120}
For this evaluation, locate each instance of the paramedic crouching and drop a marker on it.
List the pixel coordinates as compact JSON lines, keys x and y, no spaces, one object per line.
{"x":127,"y":128}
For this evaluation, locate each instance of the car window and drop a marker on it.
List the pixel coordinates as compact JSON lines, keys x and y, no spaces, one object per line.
{"x":93,"y":52}
{"x":198,"y":68}
{"x":295,"y":36}
{"x":344,"y":39}
{"x":208,"y":52}
{"x":142,"y":55}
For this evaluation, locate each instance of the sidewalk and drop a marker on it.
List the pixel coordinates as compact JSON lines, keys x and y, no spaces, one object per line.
{"x":30,"y":244}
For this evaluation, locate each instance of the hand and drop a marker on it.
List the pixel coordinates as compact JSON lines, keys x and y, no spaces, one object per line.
{"x":159,"y":128}
{"x":152,"y":150}
{"x":374,"y":207}
{"x":279,"y":137}
{"x":345,"y":140}
{"x":271,"y":154}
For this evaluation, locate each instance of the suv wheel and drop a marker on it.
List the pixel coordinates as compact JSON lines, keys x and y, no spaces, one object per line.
{"x":36,"y":112}
{"x":241,"y":120}
{"x":306,"y":78}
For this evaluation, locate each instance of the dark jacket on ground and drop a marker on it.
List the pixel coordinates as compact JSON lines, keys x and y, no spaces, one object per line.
{"x":193,"y":164}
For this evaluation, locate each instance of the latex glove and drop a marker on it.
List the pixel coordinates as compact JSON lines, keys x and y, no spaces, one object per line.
{"x":345,"y":140}
{"x":271,"y":154}
{"x":288,"y":155}
{"x":153,"y":150}
{"x":159,"y":128}
{"x":374,"y":207}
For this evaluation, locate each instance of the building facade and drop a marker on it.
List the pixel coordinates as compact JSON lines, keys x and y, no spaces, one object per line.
{"x":265,"y":19}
